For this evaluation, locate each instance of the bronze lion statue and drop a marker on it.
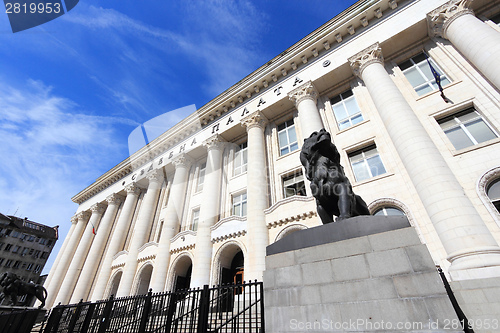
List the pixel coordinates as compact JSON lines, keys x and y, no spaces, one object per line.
{"x":329,"y":185}
{"x":13,"y":287}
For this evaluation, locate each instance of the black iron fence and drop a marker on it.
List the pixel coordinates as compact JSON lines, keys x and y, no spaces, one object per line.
{"x":227,"y":308}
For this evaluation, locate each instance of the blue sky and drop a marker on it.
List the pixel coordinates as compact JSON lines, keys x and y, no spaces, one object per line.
{"x":73,"y":89}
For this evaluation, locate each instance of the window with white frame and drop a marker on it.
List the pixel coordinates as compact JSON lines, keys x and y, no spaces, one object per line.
{"x":346,"y":110}
{"x":467,"y":128}
{"x":201,"y":177}
{"x":494,"y":194}
{"x":418,"y":72}
{"x":241,"y":159}
{"x":366,"y":163}
{"x":287,"y":137}
{"x":240,"y":204}
{"x":195,"y":218}
{"x":389,"y":211}
{"x":294,"y":185}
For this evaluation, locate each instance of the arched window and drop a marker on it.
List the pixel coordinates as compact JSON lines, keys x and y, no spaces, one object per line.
{"x":493,"y":192}
{"x":389,"y":211}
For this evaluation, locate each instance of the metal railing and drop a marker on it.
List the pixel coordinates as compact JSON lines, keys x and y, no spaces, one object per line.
{"x":221,"y":309}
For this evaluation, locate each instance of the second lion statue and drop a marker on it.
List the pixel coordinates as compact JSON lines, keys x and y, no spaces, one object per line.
{"x":329,"y":184}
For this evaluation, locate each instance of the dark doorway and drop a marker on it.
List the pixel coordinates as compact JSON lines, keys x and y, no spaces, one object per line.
{"x":232,"y":275}
{"x":183,"y":282}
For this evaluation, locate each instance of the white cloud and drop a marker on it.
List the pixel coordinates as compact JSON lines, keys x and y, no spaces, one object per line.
{"x":49,"y":152}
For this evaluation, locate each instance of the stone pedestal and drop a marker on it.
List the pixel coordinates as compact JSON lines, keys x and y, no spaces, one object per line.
{"x":363,"y":274}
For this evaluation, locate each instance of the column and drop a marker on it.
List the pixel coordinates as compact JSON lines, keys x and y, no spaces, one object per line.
{"x":477,"y":41}
{"x":465,"y":237}
{"x":305,"y":98}
{"x":141,"y":231}
{"x":116,"y":241}
{"x":95,"y":254}
{"x":257,"y":198}
{"x":80,"y":255}
{"x":172,"y":217}
{"x":209,"y":212}
{"x":58,"y":276}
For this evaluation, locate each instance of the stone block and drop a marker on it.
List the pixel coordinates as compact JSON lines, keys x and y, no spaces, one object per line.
{"x":361,"y":290}
{"x":420,"y":258}
{"x":317,"y":273}
{"x":394,"y":239}
{"x":419,"y":285}
{"x":309,"y":295}
{"x":350,"y":268}
{"x":388,"y":263}
{"x":280,"y":260}
{"x":440,"y":310}
{"x":334,"y":250}
{"x":269,"y":277}
{"x":286,"y":277}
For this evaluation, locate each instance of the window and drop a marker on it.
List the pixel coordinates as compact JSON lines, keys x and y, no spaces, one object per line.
{"x":201,"y":177}
{"x":38,"y":268}
{"x":45,"y":255}
{"x":7,"y":232}
{"x":240,"y":204}
{"x":366,"y":163}
{"x":466,"y":129}
{"x":8,"y":263}
{"x":42,"y":241}
{"x":29,"y":267}
{"x":241,"y":159}
{"x":16,"y":249}
{"x":494,"y":194}
{"x":418,"y":73}
{"x":195,"y":219}
{"x":294,"y":185}
{"x":49,"y":242}
{"x":1,"y":245}
{"x":8,"y":247}
{"x":15,"y":234}
{"x":25,"y":251}
{"x":37,"y":253}
{"x":16,"y":264}
{"x":1,"y":260}
{"x":287,"y":137}
{"x":389,"y":211}
{"x":346,"y":110}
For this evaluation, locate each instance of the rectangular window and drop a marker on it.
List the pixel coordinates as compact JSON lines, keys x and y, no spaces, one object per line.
{"x":240,"y":204}
{"x":294,"y":185}
{"x":287,"y":137}
{"x":241,"y":159}
{"x":49,"y":242}
{"x":201,"y":177}
{"x":15,"y":234}
{"x":36,"y":254}
{"x":42,"y":241}
{"x":1,"y":260}
{"x":366,"y":163}
{"x":467,"y":128}
{"x":8,"y":247}
{"x":195,"y":219}
{"x":45,"y":255}
{"x":346,"y":110}
{"x":29,"y":267}
{"x":25,"y":251}
{"x":418,"y":73}
{"x":8,"y":263}
{"x":17,"y":264}
{"x":16,"y":249}
{"x":38,"y":268}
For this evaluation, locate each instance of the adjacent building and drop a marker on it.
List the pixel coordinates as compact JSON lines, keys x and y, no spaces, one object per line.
{"x":25,"y":247}
{"x":199,"y":204}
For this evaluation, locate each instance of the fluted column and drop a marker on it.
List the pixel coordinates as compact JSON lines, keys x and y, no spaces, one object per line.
{"x":116,"y":240}
{"x":172,"y":216}
{"x":465,"y":237}
{"x":477,"y":41}
{"x":257,"y":199}
{"x":95,"y":254}
{"x":80,"y":255}
{"x":209,"y":212}
{"x":305,"y":98}
{"x":141,"y":230}
{"x":59,"y":275}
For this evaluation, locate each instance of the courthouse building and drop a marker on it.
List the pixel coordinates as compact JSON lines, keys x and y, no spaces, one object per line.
{"x":200,"y":203}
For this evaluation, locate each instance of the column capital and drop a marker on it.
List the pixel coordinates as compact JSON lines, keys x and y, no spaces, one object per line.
{"x":303,"y":92}
{"x":114,"y":199}
{"x":83,"y":216}
{"x":372,"y":54}
{"x":255,"y":119}
{"x":133,"y":189}
{"x":182,"y":161}
{"x":97,"y":208}
{"x":74,"y":219}
{"x":214,"y":142}
{"x":155,"y":176}
{"x":440,"y":18}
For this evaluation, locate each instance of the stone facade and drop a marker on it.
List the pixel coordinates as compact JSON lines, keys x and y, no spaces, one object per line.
{"x":221,"y":181}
